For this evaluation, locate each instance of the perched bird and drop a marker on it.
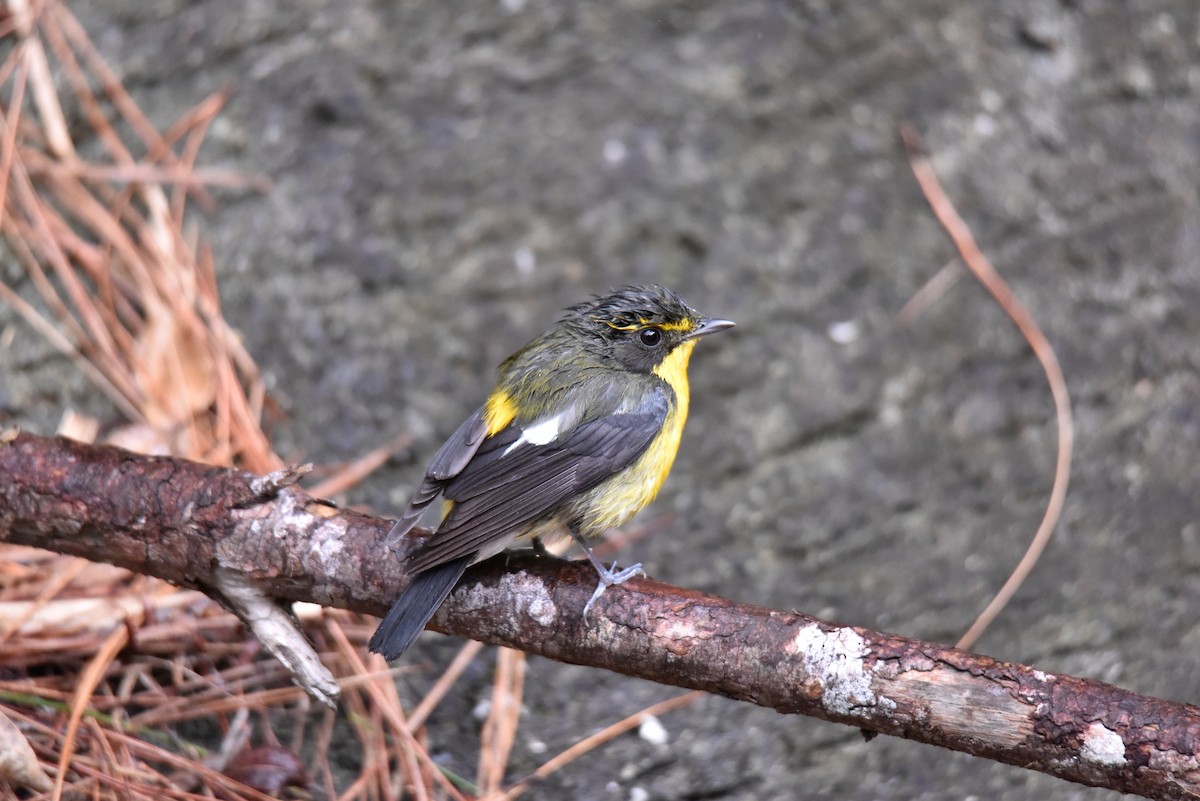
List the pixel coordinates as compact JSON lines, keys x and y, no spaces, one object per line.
{"x":579,"y":433}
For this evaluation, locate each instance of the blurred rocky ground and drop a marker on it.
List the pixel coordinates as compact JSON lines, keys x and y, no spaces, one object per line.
{"x":448,"y":176}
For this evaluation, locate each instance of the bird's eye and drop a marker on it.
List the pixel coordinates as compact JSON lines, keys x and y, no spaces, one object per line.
{"x":650,"y":337}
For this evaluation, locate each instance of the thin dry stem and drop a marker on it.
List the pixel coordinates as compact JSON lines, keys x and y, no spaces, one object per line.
{"x":88,"y":682}
{"x":352,"y":473}
{"x":930,"y":292}
{"x":599,"y":738}
{"x":450,"y":675}
{"x":387,"y":702}
{"x":500,"y":727}
{"x":982,"y":269}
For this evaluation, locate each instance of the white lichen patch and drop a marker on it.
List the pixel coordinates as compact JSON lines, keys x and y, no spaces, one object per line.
{"x":294,"y":518}
{"x":1102,"y":746}
{"x":543,"y":610}
{"x":328,"y":544}
{"x":677,"y":629}
{"x":835,"y":660}
{"x":519,"y":590}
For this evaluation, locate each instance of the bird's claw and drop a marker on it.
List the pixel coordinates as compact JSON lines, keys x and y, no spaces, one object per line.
{"x":609,"y":577}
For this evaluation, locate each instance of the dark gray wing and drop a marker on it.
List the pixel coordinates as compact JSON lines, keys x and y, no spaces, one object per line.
{"x":447,"y":463}
{"x":454,"y":454}
{"x":502,"y":489}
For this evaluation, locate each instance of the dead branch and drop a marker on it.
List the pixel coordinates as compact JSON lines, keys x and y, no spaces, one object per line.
{"x":189,"y":524}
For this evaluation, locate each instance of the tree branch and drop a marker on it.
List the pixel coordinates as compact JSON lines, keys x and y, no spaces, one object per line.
{"x":193,"y":525}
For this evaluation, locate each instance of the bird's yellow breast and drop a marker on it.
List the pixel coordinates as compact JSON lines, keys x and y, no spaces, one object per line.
{"x":623,"y":495}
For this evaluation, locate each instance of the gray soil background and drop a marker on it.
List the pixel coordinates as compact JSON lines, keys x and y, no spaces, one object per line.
{"x":448,"y":176}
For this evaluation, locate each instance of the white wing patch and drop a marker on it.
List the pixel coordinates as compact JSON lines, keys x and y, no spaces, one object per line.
{"x":543,"y":432}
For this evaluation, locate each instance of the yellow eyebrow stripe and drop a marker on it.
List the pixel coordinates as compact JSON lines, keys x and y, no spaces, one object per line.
{"x":678,"y":325}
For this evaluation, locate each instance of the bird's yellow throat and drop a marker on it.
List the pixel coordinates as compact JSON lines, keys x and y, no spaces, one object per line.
{"x":673,"y":370}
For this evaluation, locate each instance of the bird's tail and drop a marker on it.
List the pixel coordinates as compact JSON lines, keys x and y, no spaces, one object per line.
{"x":412,"y":610}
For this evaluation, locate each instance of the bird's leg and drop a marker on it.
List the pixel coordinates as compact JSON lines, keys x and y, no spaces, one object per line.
{"x":608,"y":576}
{"x":539,"y":547}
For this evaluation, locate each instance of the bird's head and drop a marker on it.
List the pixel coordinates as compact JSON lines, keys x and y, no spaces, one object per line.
{"x":639,"y":326}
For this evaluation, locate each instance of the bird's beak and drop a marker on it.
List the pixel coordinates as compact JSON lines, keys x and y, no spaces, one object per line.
{"x":709,"y":326}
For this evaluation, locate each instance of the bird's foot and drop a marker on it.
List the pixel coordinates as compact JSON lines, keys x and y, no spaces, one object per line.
{"x":609,"y":577}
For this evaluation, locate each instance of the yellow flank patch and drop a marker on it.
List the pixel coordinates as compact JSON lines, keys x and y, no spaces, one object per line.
{"x":499,"y":412}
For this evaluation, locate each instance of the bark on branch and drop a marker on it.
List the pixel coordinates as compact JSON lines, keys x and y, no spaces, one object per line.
{"x":199,"y":526}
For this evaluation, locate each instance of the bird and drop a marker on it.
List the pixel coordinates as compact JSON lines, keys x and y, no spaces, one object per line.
{"x":578,"y":434}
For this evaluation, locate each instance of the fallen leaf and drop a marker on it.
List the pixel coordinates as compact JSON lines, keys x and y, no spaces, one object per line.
{"x":268,"y":769}
{"x":19,"y":765}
